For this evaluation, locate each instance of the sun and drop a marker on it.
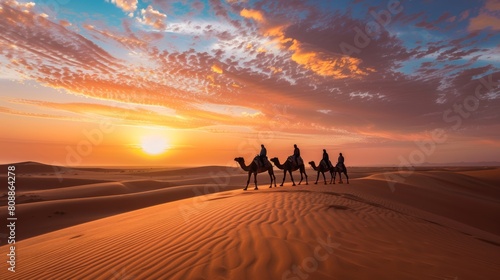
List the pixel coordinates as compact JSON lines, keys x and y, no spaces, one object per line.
{"x":154,"y":144}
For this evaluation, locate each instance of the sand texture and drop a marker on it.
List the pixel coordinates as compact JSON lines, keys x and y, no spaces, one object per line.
{"x":440,"y":223}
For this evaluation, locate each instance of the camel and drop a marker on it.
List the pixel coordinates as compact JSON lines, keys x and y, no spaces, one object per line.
{"x":338,"y":168}
{"x":254,"y":169}
{"x":289,"y":166}
{"x":321,"y":169}
{"x":333,"y":170}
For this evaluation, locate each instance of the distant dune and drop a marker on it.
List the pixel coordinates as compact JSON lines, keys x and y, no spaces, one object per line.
{"x":197,"y":223}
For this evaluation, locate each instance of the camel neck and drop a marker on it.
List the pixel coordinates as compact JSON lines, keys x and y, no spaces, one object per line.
{"x":243,"y":165}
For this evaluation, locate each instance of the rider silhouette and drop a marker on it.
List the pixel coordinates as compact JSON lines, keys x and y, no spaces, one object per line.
{"x":296,"y":154}
{"x":263,"y":154}
{"x":340,"y":161}
{"x":326,"y":159}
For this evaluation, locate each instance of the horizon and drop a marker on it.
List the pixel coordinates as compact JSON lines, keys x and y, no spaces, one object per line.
{"x":235,"y":165}
{"x":161,"y":83}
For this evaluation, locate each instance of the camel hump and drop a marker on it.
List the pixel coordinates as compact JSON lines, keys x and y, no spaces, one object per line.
{"x":324,"y":164}
{"x":299,"y":162}
{"x":262,"y":162}
{"x":341,"y":167}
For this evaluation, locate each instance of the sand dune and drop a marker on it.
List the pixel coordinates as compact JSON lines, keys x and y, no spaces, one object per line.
{"x":436,"y":225}
{"x":47,"y":203}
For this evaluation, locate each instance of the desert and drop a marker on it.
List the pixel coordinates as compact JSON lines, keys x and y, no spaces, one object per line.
{"x":151,"y":223}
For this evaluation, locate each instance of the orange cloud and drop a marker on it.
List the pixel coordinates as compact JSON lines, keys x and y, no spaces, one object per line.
{"x":131,"y":115}
{"x":217,"y":69}
{"x":126,"y":5}
{"x":253,"y":14}
{"x":9,"y":111}
{"x":322,"y":63}
{"x":64,"y":23}
{"x":127,"y":41}
{"x":326,"y":64}
{"x":275,"y":70}
{"x":183,"y":119}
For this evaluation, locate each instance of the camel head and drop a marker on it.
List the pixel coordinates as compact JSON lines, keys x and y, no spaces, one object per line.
{"x":312,"y":163}
{"x":239,"y":159}
{"x":274,"y":159}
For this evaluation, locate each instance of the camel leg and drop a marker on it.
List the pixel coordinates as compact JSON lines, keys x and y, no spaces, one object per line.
{"x":324,"y":178}
{"x":332,"y":177}
{"x":317,"y":178}
{"x":284,"y":177}
{"x":248,"y":181}
{"x":291,"y":176}
{"x":305,"y":174}
{"x":301,"y":178}
{"x":255,"y":180}
{"x":347,"y":177}
{"x":272,"y":177}
{"x":340,"y":178}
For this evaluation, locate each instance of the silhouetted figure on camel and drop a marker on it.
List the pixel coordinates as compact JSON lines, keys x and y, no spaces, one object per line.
{"x":263,"y":154}
{"x":326,"y":160}
{"x":340,"y":168}
{"x":290,"y":166}
{"x":258,"y":165}
{"x":322,"y":168}
{"x":296,"y":155}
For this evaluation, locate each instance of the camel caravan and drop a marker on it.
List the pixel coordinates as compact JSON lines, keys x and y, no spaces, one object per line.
{"x":294,"y":162}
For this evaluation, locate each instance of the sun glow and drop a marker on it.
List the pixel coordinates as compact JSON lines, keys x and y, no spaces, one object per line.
{"x":154,"y":144}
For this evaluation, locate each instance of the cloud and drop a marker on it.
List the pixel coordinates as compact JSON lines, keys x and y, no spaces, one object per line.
{"x":134,"y":114}
{"x":317,"y":60}
{"x":326,"y":64}
{"x":281,"y":66}
{"x":65,"y":23}
{"x":483,"y":21}
{"x":253,"y":14}
{"x":10,"y":111}
{"x":33,"y":38}
{"x":217,"y":69}
{"x":492,"y":5}
{"x":126,"y":5}
{"x":129,"y":41}
{"x":153,"y":18}
{"x":464,"y":15}
{"x":488,"y":17}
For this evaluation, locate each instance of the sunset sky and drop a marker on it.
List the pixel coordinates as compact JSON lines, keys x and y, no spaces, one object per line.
{"x":89,"y":82}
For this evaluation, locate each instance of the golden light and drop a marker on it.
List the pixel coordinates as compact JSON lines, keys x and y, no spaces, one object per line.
{"x":154,"y":144}
{"x":217,"y":69}
{"x":253,"y":14}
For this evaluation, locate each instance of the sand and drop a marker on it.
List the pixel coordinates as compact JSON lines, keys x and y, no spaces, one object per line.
{"x":440,"y":223}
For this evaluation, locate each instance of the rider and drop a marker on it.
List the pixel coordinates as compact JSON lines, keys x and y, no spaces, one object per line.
{"x":296,"y":154}
{"x":263,"y":154}
{"x":326,"y":159}
{"x":341,"y":161}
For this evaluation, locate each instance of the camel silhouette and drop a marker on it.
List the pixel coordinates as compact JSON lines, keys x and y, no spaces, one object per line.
{"x":321,"y":169}
{"x":254,"y":168}
{"x":289,"y":166}
{"x":340,"y":168}
{"x":333,"y":170}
